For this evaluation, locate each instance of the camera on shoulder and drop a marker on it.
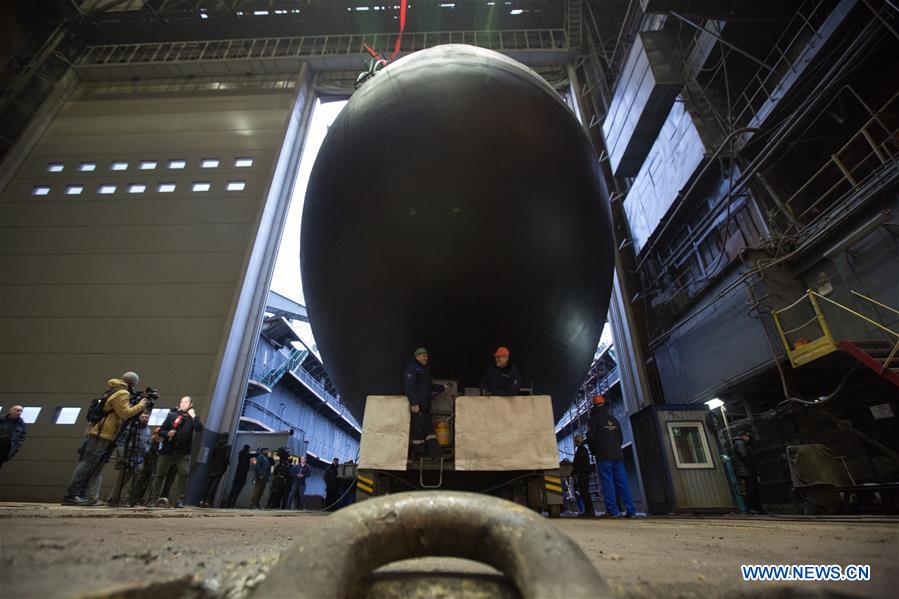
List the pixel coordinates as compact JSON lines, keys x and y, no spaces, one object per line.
{"x":150,"y":394}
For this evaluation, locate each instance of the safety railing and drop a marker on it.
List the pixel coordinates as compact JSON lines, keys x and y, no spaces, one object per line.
{"x":318,"y":389}
{"x":316,"y":45}
{"x":780,"y":60}
{"x":785,"y":53}
{"x":802,"y":350}
{"x":872,"y":148}
{"x":270,"y":378}
{"x":275,"y":418}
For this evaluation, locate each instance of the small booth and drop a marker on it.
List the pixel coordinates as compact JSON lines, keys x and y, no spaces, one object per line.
{"x":680,"y":462}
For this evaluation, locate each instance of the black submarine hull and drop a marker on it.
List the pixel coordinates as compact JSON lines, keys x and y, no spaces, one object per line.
{"x":456,"y":203}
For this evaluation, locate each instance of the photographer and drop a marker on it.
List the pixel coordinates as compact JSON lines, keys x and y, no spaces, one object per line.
{"x":177,"y":434}
{"x":101,"y":438}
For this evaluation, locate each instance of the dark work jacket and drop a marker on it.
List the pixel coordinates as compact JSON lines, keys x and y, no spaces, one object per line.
{"x":263,"y":467}
{"x":219,"y":458}
{"x":331,"y":477}
{"x":743,"y":466}
{"x":296,"y":471}
{"x":181,"y":443}
{"x":581,"y":465}
{"x":418,"y":385}
{"x":604,"y":434}
{"x":14,"y":430}
{"x":281,"y":472}
{"x":243,"y":464}
{"x":501,"y":381}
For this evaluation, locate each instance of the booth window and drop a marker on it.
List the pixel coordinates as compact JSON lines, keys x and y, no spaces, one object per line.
{"x":688,"y":442}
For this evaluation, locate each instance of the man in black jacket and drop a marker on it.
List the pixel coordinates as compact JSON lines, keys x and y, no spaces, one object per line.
{"x":419,"y":388}
{"x":219,"y":458}
{"x":332,"y":486}
{"x":744,"y":468}
{"x":12,"y":433}
{"x":604,"y":439}
{"x":581,"y":469}
{"x":177,"y":434}
{"x":240,"y":475}
{"x":277,"y":498}
{"x":502,"y":378}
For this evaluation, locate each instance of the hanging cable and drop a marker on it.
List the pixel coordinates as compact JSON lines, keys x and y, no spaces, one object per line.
{"x":399,"y":38}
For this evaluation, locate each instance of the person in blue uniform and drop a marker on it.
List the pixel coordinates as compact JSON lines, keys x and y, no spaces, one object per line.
{"x":419,"y":389}
{"x":604,"y":439}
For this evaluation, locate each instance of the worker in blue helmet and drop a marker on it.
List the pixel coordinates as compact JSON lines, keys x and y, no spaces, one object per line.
{"x":419,"y":389}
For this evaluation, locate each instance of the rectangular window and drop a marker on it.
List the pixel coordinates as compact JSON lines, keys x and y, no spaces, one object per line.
{"x":40,"y":190}
{"x":177,"y":164}
{"x":119,"y":166}
{"x":236,"y":185}
{"x":29,"y":414}
{"x":201,"y":186}
{"x":137,"y":188}
{"x":210,"y":163}
{"x":106,"y":189}
{"x":243,"y":162}
{"x":87,"y":167}
{"x":157,"y":416}
{"x":66,"y":415}
{"x":688,"y":442}
{"x":55,"y":167}
{"x":147,"y":165}
{"x":74,"y":190}
{"x":166,"y":188}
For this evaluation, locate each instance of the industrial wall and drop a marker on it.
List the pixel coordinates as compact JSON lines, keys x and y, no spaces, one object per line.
{"x":125,"y":235}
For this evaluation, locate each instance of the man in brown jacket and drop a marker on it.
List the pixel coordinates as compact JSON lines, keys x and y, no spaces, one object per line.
{"x":100,"y":438}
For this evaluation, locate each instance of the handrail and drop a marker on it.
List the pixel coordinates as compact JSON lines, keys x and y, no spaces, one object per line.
{"x":874,"y":301}
{"x":256,"y":405}
{"x":316,"y":387}
{"x":859,"y":314}
{"x":315,"y":45}
{"x":806,"y":350}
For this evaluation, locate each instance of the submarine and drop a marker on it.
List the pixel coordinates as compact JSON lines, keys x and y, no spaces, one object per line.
{"x":456,"y":203}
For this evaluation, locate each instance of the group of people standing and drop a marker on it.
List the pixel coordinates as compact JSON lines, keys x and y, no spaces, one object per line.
{"x":288,"y":479}
{"x":145,"y":460}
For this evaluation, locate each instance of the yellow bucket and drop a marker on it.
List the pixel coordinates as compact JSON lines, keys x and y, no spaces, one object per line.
{"x":442,"y":430}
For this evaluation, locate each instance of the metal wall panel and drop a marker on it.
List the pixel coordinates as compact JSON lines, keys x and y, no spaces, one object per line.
{"x":93,"y":285}
{"x":672,"y":161}
{"x":649,"y":84}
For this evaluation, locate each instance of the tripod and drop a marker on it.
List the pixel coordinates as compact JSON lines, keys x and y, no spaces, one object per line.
{"x":131,"y":460}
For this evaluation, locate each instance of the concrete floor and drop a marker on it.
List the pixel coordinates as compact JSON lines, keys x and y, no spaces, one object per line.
{"x":55,"y":551}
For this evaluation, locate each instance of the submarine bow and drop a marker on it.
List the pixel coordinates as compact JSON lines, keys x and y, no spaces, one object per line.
{"x":456,"y":203}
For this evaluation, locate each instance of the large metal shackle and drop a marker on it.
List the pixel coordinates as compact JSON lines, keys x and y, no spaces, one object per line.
{"x":336,"y":557}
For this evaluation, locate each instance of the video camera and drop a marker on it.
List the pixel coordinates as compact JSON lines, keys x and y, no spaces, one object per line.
{"x":150,"y":394}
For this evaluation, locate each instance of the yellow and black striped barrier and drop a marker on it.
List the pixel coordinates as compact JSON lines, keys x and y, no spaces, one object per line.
{"x":553,"y":484}
{"x":365,"y":484}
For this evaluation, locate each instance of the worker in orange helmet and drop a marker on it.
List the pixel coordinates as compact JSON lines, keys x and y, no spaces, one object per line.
{"x":501,"y":378}
{"x":604,"y":439}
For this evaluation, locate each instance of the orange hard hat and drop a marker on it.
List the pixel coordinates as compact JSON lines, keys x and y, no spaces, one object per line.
{"x":501,"y":351}
{"x":598,"y":400}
